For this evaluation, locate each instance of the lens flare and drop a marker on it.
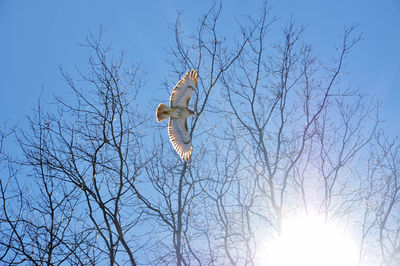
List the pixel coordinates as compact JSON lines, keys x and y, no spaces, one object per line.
{"x":310,"y":241}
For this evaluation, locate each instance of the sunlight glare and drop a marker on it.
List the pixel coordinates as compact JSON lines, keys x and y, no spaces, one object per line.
{"x":310,"y":241}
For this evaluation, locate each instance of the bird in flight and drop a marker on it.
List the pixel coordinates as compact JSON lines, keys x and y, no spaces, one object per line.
{"x":178,"y":112}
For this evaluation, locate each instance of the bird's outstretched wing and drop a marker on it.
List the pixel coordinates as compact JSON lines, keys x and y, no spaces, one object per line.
{"x":183,"y":90}
{"x":180,"y":137}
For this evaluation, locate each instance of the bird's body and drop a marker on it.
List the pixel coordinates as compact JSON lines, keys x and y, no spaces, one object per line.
{"x":173,"y":112}
{"x":178,"y":112}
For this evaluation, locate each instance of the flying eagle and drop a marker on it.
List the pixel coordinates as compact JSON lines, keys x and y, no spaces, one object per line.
{"x":178,"y":112}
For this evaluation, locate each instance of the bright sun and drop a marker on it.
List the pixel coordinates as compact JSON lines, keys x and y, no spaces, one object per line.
{"x":310,"y":241}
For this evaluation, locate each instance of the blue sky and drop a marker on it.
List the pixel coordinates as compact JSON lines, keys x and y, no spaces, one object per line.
{"x":38,"y":36}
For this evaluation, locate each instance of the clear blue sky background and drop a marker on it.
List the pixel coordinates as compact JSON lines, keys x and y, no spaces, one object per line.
{"x":37,"y":36}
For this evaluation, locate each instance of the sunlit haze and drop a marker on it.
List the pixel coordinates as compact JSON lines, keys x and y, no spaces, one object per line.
{"x":310,"y":241}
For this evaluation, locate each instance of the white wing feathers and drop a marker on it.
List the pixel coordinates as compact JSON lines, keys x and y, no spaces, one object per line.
{"x":180,"y":137}
{"x":177,"y":127}
{"x":183,"y":90}
{"x":178,"y":112}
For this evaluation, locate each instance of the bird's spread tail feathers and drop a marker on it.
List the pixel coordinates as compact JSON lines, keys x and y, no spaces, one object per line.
{"x":162,"y":112}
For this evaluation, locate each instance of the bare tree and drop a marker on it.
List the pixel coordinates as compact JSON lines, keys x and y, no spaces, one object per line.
{"x":275,"y":134}
{"x":37,"y":214}
{"x":179,"y":186}
{"x":86,"y":157}
{"x":379,"y":224}
{"x":297,"y":137}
